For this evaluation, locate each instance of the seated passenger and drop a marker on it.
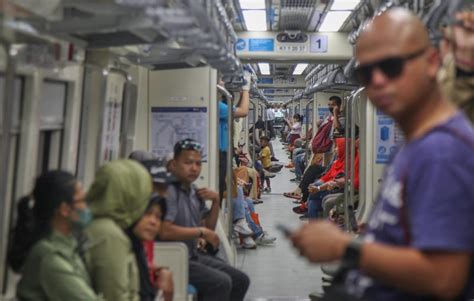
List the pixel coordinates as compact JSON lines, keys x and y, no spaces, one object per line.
{"x":118,"y":198}
{"x":295,"y":126}
{"x":249,"y":227}
{"x":325,"y":184}
{"x":145,"y":231}
{"x":188,"y":219}
{"x":264,"y":163}
{"x":53,"y":269}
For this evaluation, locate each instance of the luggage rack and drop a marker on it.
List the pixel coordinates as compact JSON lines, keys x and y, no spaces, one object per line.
{"x":161,"y":34}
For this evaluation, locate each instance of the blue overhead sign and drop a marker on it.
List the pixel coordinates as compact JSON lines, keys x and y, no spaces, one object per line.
{"x":265,"y":80}
{"x":261,"y":45}
{"x":241,"y":45}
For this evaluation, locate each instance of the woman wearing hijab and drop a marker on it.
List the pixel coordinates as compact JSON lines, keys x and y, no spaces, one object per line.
{"x":118,"y":198}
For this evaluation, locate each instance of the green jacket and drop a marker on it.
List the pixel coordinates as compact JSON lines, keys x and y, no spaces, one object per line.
{"x":117,"y":198}
{"x":54,"y":271}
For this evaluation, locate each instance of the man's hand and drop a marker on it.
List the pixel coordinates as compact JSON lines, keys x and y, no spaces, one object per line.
{"x":207,"y":194}
{"x":201,"y":244}
{"x":312,"y":188}
{"x":320,"y":241}
{"x":211,"y":237}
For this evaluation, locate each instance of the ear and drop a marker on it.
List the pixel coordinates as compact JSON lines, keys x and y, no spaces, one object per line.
{"x":434,"y":62}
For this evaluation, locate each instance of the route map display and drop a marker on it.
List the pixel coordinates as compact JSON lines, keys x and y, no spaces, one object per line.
{"x":171,"y":124}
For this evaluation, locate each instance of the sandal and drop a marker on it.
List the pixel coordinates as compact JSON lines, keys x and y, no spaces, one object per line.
{"x":292,"y":195}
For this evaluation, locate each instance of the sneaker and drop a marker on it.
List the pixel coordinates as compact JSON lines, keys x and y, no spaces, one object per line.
{"x":255,"y":202}
{"x":299,"y":210}
{"x":292,"y":170}
{"x":267,"y":189}
{"x":295,"y":180}
{"x":248,"y":243}
{"x":242,"y":227}
{"x":265,"y":239}
{"x":274,"y":159}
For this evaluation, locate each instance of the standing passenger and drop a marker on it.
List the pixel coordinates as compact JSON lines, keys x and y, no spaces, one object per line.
{"x":188,"y":219}
{"x":118,"y":198}
{"x":419,"y":240}
{"x":53,"y":269}
{"x":240,"y":110}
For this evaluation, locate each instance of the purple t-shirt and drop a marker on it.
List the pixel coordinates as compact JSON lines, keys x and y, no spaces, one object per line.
{"x":437,"y":173}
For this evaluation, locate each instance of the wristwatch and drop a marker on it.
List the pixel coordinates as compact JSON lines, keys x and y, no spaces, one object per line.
{"x":351,"y":257}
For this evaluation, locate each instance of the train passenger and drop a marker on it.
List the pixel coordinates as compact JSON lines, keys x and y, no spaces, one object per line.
{"x":320,"y":145}
{"x":457,"y":48}
{"x":239,"y":110}
{"x":264,"y":163}
{"x":144,"y":232}
{"x":53,"y":268}
{"x":246,"y":221}
{"x":325,"y":184}
{"x":188,"y":219}
{"x":295,"y":128}
{"x":419,"y":242}
{"x":118,"y":198}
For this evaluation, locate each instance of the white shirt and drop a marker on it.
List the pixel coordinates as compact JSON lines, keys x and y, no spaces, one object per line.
{"x":270,"y":114}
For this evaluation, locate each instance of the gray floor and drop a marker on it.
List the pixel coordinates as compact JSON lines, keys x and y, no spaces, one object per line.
{"x":278,"y":272}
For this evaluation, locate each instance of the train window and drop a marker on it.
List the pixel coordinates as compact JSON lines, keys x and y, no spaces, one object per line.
{"x":15,"y":133}
{"x":51,"y":126}
{"x":53,"y":105}
{"x":18,"y":83}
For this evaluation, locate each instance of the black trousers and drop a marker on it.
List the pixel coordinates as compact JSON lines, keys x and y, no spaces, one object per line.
{"x":215,"y":280}
{"x":222,"y":173}
{"x":313,"y":173}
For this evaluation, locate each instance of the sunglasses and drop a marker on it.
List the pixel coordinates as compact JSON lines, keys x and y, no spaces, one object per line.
{"x":391,"y":67}
{"x":189,"y":145}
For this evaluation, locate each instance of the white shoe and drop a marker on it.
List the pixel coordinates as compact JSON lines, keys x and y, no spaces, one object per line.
{"x":268,"y":174}
{"x":265,"y":239}
{"x":242,"y":227}
{"x":248,"y":243}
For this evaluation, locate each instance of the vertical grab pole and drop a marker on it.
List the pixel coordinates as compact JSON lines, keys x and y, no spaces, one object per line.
{"x":348,"y":115}
{"x":230,"y":151}
{"x":255,"y":108}
{"x":5,"y":143}
{"x":352,"y":151}
{"x":265,"y":117}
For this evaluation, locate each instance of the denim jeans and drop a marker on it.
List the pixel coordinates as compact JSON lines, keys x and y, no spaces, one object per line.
{"x":256,"y":229}
{"x":299,"y":165}
{"x":315,"y":206}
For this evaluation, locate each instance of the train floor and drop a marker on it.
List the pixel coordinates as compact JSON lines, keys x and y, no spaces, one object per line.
{"x":277,"y":272}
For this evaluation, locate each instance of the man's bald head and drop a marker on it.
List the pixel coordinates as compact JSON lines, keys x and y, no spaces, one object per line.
{"x":396,"y":27}
{"x":396,"y":63}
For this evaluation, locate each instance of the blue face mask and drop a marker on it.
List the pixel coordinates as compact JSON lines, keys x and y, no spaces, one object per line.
{"x":85,"y":217}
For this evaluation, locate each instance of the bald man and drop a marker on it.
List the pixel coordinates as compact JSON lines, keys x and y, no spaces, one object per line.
{"x":420,"y":238}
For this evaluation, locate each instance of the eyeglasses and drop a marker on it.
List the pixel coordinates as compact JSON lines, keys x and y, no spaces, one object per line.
{"x":189,"y":145}
{"x":391,"y":67}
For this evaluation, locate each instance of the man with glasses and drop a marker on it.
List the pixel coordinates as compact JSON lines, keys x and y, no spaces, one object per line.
{"x":419,"y":239}
{"x":188,"y":220}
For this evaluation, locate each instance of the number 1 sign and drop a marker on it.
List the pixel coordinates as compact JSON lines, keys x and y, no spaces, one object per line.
{"x":319,"y":43}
